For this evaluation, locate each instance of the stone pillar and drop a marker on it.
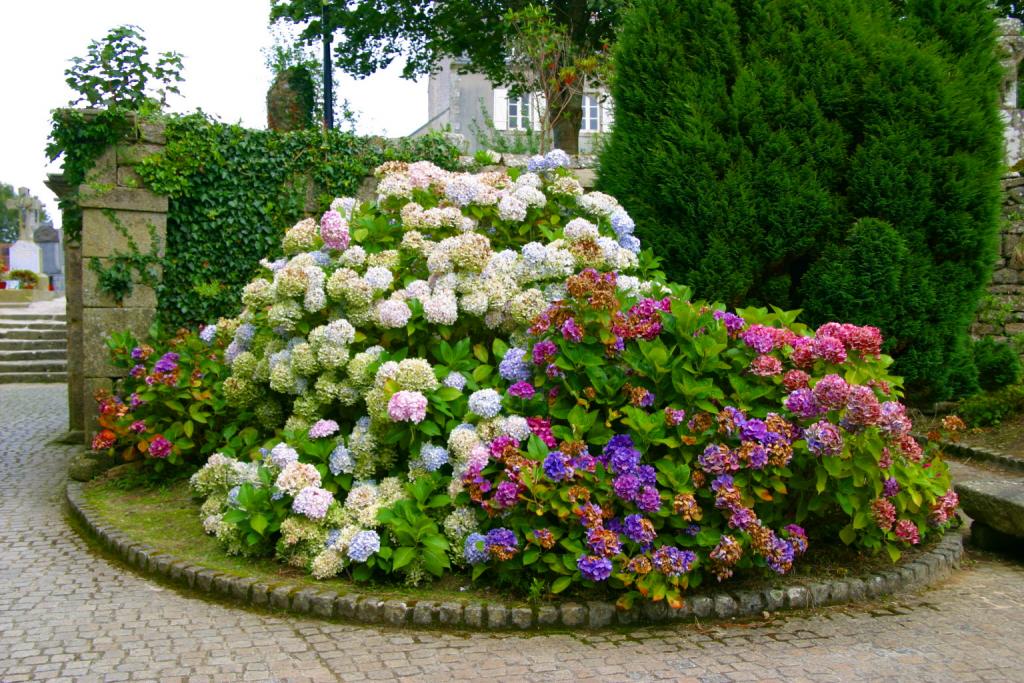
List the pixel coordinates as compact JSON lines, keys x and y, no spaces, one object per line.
{"x":113,"y":202}
{"x":1012,"y":42}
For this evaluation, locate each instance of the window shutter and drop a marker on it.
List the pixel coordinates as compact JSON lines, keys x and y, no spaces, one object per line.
{"x":499,"y":111}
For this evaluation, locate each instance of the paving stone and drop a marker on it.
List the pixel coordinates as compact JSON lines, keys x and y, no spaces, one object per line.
{"x":78,"y":617}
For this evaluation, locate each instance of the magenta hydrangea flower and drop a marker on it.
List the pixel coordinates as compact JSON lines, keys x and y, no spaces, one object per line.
{"x":832,"y":391}
{"x":803,"y":404}
{"x":571,"y":331}
{"x":759,"y":338}
{"x":138,"y":426}
{"x":407,"y":406}
{"x":543,"y":352}
{"x":830,"y":349}
{"x":674,"y":417}
{"x":862,"y":407}
{"x":160,"y":447}
{"x":334,"y":231}
{"x":907,"y":532}
{"x":795,"y":379}
{"x":765,"y":366}
{"x":523,"y":390}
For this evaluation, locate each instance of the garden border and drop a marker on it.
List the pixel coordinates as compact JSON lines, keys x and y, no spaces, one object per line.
{"x":980,"y":453}
{"x":935,"y":565}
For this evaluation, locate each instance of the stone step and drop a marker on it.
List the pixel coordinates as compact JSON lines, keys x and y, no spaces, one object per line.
{"x":29,"y":344}
{"x":19,"y":315}
{"x":33,"y":334}
{"x":33,"y":366}
{"x":33,"y":354}
{"x":32,"y":324}
{"x":993,"y":497}
{"x":33,"y":378}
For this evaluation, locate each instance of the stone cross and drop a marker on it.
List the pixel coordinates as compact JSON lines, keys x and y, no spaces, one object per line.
{"x":29,"y":208}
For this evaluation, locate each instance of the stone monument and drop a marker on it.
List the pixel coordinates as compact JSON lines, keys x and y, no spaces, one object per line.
{"x":25,"y":253}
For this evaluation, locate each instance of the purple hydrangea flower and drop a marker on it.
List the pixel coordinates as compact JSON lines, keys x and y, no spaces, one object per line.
{"x":506,"y":494}
{"x":513,"y":367}
{"x":523,"y":390}
{"x":322,"y":429}
{"x":890,"y":487}
{"x":474,"y":550}
{"x":594,"y":568}
{"x":824,"y":438}
{"x":639,"y":529}
{"x":648,"y":499}
{"x":362,"y":545}
{"x":312,"y":502}
{"x":571,"y":331}
{"x":501,"y":542}
{"x":555,"y":466}
{"x":168,"y":363}
{"x":544,"y":351}
{"x":627,"y":486}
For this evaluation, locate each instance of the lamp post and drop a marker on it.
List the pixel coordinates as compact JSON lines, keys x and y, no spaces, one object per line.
{"x":328,"y":79}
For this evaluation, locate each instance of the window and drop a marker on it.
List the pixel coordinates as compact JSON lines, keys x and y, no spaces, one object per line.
{"x":591,"y":114}
{"x":519,"y":113}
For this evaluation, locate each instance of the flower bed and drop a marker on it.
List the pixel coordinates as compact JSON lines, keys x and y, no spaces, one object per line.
{"x":484,"y":374}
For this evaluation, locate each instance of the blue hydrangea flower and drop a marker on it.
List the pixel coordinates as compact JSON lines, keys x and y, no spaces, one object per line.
{"x":433,"y":457}
{"x":474,"y":550}
{"x":556,"y":158}
{"x":514,"y":367}
{"x":341,"y":461}
{"x":486,"y":403}
{"x":362,"y":545}
{"x":455,"y":380}
{"x":208,"y":333}
{"x":630,"y":242}
{"x":555,"y":466}
{"x":233,"y":496}
{"x":622,"y":223}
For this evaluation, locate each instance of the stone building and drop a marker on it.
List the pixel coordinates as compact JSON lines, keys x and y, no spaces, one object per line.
{"x":470,"y":105}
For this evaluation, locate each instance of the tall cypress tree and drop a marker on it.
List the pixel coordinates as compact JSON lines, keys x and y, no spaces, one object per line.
{"x":840,"y":156}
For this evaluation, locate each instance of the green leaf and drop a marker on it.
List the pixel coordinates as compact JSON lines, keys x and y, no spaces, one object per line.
{"x":448,"y":394}
{"x":258,"y":523}
{"x":403,"y":556}
{"x":847,"y":534}
{"x":531,"y":556}
{"x":560,"y":584}
{"x":894,"y":552}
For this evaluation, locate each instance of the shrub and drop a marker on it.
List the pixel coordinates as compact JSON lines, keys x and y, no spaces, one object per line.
{"x":991,"y":408}
{"x":825,"y":155}
{"x":170,"y":410}
{"x":480,"y":372}
{"x":997,"y":362}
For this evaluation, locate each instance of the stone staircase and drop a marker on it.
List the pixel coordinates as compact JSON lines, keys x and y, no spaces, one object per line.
{"x":33,"y":346}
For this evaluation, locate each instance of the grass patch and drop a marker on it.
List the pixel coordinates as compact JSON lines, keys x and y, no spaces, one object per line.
{"x":167,"y":518}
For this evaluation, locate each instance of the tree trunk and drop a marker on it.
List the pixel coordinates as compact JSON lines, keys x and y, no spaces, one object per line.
{"x":565,"y":116}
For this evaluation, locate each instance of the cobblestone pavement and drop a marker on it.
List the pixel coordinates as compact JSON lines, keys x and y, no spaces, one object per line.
{"x":66,"y":614}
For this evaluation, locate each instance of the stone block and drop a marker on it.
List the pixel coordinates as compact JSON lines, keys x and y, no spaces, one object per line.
{"x":655,"y":612}
{"x":102,"y":236}
{"x":497,"y":616}
{"x":749,"y":603}
{"x":152,"y":133}
{"x":838,"y":592}
{"x":131,"y":155}
{"x":423,"y":613}
{"x":98,"y":325}
{"x":241,"y":588}
{"x":797,"y":597}
{"x":121,"y":199}
{"x":874,"y":586}
{"x":473,"y":615}
{"x":260,"y":594}
{"x":601,"y":613}
{"x":370,"y":610}
{"x":774,"y":599}
{"x":522,"y":617}
{"x":223,"y":584}
{"x":1006,"y":276}
{"x":141,"y":296}
{"x":725,"y":606}
{"x":449,"y":614}
{"x":547,"y":615}
{"x":346,"y":606}
{"x":104,"y":169}
{"x":573,"y":614}
{"x":128,"y":177}
{"x":819,"y":594}
{"x":858,"y":590}
{"x":396,"y":612}
{"x":204,"y":580}
{"x":281,"y":597}
{"x":302,"y":601}
{"x":701,"y":606}
{"x":322,"y":604}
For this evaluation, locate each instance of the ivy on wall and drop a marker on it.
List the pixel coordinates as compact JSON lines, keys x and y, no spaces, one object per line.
{"x":233,"y":191}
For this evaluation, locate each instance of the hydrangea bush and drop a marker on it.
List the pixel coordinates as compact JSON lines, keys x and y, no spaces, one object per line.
{"x":483,"y":373}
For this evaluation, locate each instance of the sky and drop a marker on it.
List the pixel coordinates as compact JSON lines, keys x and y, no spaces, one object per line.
{"x":225,"y":76}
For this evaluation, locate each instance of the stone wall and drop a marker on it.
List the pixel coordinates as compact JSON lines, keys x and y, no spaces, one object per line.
{"x":1001,"y":314}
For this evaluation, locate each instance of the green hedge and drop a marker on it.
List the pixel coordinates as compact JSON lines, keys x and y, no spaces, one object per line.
{"x":233,"y":191}
{"x":838,"y":156}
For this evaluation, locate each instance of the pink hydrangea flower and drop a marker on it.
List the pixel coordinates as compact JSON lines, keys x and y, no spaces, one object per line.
{"x":407,"y":406}
{"x":334,"y":231}
{"x":907,"y":532}
{"x":766,"y":366}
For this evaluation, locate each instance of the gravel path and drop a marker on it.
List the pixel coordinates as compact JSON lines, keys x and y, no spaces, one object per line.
{"x":66,"y":614}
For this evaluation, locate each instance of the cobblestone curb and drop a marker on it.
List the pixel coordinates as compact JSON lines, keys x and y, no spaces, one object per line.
{"x":959,"y":450}
{"x":933,"y":566}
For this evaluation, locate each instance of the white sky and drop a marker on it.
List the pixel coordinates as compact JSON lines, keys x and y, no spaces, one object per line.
{"x":221,"y":41}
